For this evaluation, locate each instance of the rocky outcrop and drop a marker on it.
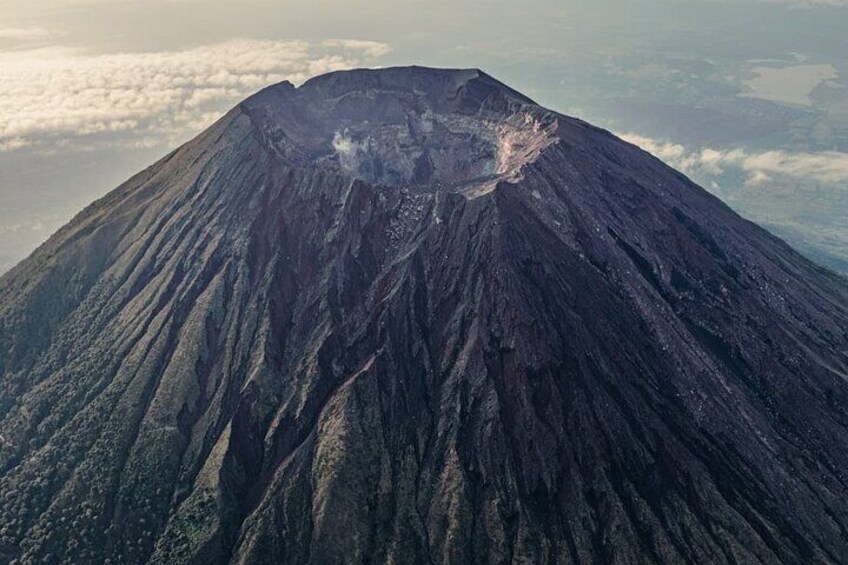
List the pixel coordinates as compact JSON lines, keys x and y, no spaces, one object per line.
{"x":409,"y":316}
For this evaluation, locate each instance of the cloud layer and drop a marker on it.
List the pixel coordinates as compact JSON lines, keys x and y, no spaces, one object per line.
{"x":18,"y":33}
{"x":57,"y":96}
{"x":827,"y":167}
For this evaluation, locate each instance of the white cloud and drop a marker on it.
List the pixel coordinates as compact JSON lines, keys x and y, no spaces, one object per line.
{"x":23,"y":32}
{"x":57,"y":95}
{"x":828,"y":167}
{"x":368,"y":48}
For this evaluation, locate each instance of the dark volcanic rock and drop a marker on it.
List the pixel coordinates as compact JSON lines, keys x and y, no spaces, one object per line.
{"x":408,"y":316}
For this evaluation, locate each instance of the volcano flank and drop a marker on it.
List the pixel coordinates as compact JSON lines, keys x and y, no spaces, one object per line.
{"x":409,"y":316}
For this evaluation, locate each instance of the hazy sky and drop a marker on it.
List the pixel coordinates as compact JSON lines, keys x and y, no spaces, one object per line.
{"x":93,"y":90}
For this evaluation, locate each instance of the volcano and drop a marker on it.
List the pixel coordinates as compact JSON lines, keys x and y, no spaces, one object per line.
{"x":409,"y":316}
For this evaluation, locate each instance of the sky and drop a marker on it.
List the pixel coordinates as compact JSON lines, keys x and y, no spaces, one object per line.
{"x":749,"y":97}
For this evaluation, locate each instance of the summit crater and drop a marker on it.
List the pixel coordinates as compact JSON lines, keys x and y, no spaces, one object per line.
{"x":412,"y":127}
